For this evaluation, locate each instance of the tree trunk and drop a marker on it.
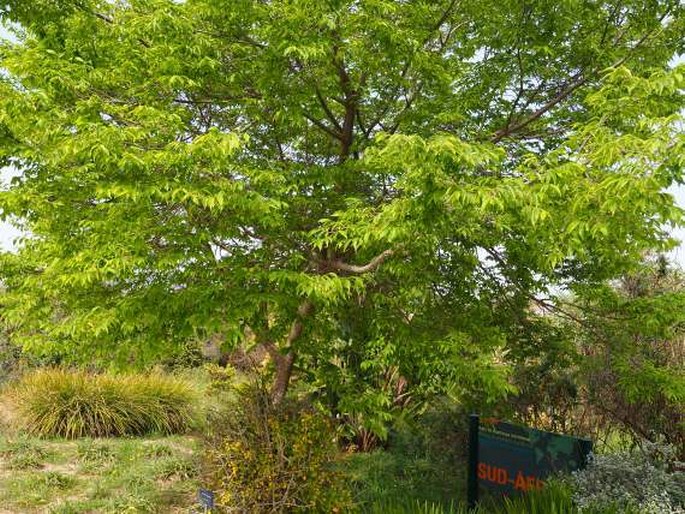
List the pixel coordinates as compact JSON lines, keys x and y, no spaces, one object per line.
{"x":284,"y":363}
{"x":284,"y":369}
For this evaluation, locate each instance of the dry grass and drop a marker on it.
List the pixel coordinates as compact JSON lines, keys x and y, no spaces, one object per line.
{"x":8,"y":415}
{"x":71,"y":404}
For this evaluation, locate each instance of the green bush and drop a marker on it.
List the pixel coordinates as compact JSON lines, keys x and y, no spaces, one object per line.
{"x":56,"y":402}
{"x":10,"y":358}
{"x":647,"y":481}
{"x":187,"y":356}
{"x":422,"y":461}
{"x":270,"y":458}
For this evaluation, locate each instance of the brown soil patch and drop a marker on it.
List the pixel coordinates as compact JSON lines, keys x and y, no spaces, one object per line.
{"x":8,"y":414}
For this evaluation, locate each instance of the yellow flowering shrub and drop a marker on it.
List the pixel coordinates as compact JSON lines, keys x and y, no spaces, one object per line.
{"x":220,"y":377}
{"x":276,"y":459}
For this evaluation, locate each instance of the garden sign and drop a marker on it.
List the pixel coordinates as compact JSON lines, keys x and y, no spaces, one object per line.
{"x":206,"y":499}
{"x":508,"y":459}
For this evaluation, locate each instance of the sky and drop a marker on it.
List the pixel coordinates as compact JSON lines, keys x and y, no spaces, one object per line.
{"x":9,"y":234}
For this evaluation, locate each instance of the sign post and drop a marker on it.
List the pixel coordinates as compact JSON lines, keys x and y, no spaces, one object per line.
{"x":472,"y":478}
{"x":510,"y":459}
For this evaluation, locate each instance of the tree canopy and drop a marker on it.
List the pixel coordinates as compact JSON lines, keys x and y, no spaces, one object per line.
{"x":363,"y":187}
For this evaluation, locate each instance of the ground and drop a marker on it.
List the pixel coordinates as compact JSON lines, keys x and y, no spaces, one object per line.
{"x":97,"y":475}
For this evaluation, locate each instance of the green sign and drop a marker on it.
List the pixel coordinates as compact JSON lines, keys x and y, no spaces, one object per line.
{"x":509,"y":459}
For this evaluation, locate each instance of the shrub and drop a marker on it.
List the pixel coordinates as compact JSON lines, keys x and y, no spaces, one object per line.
{"x":188,"y":356}
{"x":633,"y":355}
{"x":71,"y":404}
{"x":645,"y":482}
{"x":276,"y":459}
{"x":221,"y":378}
{"x":417,"y":464}
{"x":10,"y":358}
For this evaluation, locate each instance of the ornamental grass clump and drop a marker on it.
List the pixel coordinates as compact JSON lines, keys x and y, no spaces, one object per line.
{"x":71,"y":404}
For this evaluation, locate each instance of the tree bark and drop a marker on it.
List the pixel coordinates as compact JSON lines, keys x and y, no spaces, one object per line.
{"x":284,"y":362}
{"x":284,"y":370}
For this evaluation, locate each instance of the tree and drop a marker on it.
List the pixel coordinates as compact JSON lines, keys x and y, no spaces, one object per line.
{"x":611,"y":358}
{"x":633,"y":344}
{"x":360,"y":185}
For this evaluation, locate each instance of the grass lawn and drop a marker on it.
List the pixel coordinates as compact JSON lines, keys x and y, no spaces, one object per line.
{"x":98,"y":475}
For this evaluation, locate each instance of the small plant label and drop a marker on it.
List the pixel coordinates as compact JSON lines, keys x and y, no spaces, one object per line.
{"x":206,"y":499}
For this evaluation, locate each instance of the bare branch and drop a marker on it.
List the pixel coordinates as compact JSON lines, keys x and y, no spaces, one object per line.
{"x":372,"y":265}
{"x":323,"y":126}
{"x":327,"y":110}
{"x":578,"y":81}
{"x":443,"y":18}
{"x":564,"y":93}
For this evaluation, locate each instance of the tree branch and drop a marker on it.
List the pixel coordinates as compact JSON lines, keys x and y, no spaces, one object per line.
{"x":110,"y":21}
{"x":577,"y":82}
{"x":327,"y":110}
{"x":284,"y":362}
{"x":564,"y":93}
{"x":349,"y":102}
{"x":378,"y":120}
{"x":443,"y":18}
{"x":372,"y":265}
{"x":323,"y":126}
{"x":304,"y":310}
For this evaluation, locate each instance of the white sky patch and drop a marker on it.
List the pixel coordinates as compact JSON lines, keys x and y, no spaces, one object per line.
{"x":8,"y":233}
